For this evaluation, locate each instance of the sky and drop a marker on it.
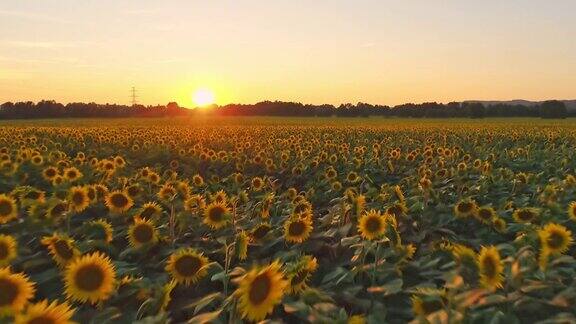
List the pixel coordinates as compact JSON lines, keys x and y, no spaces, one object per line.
{"x":310,"y":51}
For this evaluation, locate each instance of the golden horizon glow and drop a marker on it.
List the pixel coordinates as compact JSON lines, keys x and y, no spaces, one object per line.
{"x":203,"y":97}
{"x":379,"y":52}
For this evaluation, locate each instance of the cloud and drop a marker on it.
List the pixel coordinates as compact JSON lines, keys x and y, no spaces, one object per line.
{"x":140,"y":12}
{"x":45,"y":44}
{"x":33,"y":16}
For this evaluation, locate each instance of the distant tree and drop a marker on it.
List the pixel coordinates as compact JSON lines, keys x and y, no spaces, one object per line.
{"x":477,"y":110}
{"x":553,"y":109}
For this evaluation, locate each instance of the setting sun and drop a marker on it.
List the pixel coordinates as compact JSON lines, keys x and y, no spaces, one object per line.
{"x":203,"y":97}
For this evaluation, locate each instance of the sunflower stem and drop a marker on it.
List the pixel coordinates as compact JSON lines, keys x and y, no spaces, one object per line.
{"x":172,"y":225}
{"x":376,"y":260}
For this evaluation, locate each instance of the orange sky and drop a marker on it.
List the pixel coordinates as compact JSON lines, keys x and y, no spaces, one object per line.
{"x":337,"y":51}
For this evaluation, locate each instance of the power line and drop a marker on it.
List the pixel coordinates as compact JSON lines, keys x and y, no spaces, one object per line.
{"x":134,"y":96}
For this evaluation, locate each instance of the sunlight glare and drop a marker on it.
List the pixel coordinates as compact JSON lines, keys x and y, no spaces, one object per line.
{"x":203,"y":97}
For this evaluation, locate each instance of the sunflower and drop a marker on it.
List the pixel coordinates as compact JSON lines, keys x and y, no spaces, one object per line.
{"x":399,"y":193}
{"x":78,"y":198}
{"x":260,"y":290}
{"x":358,"y":205}
{"x":398,"y":209}
{"x":61,"y":248}
{"x":356,"y":319}
{"x":485,"y":214}
{"x":49,"y":173}
{"x":33,"y":196}
{"x":167,"y":192}
{"x":8,"y":249}
{"x":216,"y":215}
{"x":220,"y":197}
{"x":16,"y":290}
{"x":352,"y":177}
{"x":57,"y":209}
{"x":42,"y":312}
{"x":525,"y":215}
{"x":372,"y":225}
{"x":187,"y":266}
{"x":260,"y":231}
{"x":490,"y":268}
{"x":90,"y":278}
{"x":118,"y":201}
{"x":425,"y":305}
{"x":133,"y":191}
{"x":464,"y":255}
{"x":72,"y":174}
{"x":142,"y":232}
{"x":92,"y":193}
{"x":8,"y":209}
{"x":499,"y":224}
{"x":58,"y":180}
{"x":330,"y":173}
{"x":102,"y":230}
{"x":241,"y":247}
{"x":257,"y":183}
{"x":194,"y":203}
{"x":572,"y":210}
{"x":197,"y":180}
{"x":297,"y":229}
{"x":150,"y":210}
{"x":166,"y":293}
{"x":465,"y":208}
{"x":555,"y":238}
{"x":302,"y":207}
{"x":300,"y":272}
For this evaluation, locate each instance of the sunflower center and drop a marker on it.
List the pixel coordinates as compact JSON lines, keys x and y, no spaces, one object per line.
{"x":485,"y":214}
{"x":373,"y":225}
{"x":187,"y":265}
{"x":525,"y":215}
{"x":489,"y":267}
{"x":296,"y":228}
{"x":555,"y":240}
{"x":261,"y":231}
{"x":50,"y":173}
{"x":9,"y":292}
{"x":143,"y":233}
{"x":91,"y":193}
{"x":301,"y":208}
{"x":119,"y":200}
{"x":33,"y":195}
{"x":57,"y":210}
{"x":3,"y":250}
{"x":299,"y":277}
{"x":41,"y":320}
{"x":216,"y":214}
{"x":133,"y":191}
{"x":5,"y":208}
{"x":464,"y":207}
{"x":260,"y":289}
{"x":89,"y":278}
{"x":431,"y":306}
{"x":63,"y":249}
{"x":78,"y":198}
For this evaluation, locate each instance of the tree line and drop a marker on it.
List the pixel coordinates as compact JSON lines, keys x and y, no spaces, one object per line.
{"x":53,"y":109}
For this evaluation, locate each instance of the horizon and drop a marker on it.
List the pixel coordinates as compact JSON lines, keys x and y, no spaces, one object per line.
{"x":382,"y":53}
{"x":295,"y":102}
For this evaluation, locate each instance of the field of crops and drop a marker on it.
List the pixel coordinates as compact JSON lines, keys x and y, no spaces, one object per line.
{"x":287,"y":220}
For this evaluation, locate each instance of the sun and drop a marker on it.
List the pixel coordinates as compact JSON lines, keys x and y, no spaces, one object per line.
{"x":203,"y":97}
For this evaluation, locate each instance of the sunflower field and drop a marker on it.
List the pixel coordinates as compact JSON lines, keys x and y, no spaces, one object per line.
{"x":223,"y":220}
